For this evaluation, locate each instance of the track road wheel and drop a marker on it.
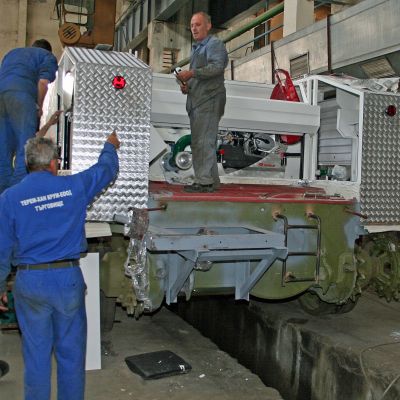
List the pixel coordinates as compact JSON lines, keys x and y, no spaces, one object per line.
{"x":348,"y":306}
{"x":312,"y":304}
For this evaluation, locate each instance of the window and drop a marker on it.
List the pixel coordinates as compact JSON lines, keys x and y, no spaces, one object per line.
{"x":299,"y":66}
{"x":169,"y":58}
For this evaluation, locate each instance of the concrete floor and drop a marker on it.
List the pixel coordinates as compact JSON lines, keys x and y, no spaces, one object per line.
{"x":353,"y":356}
{"x":215,"y":375}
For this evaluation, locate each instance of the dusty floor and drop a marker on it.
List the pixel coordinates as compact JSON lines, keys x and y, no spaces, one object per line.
{"x":353,"y":356}
{"x":215,"y":375}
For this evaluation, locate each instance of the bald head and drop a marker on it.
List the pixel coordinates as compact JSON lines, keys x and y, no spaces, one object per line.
{"x":200,"y":26}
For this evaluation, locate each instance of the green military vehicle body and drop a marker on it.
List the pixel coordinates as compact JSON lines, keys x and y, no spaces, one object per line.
{"x":308,"y":207}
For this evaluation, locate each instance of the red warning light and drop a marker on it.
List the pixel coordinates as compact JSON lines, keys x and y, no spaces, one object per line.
{"x":119,"y":82}
{"x":391,"y":110}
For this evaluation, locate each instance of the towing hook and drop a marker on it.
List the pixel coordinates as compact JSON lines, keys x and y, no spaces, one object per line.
{"x":163,"y":207}
{"x":357,"y":214}
{"x":277,"y":215}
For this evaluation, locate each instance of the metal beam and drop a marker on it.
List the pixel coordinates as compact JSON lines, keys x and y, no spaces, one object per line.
{"x":171,"y":7}
{"x":167,"y":9}
{"x":137,"y":40}
{"x":244,"y":110}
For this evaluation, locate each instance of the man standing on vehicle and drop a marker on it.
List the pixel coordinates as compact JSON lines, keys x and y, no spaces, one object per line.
{"x":42,"y":232}
{"x":206,"y":97}
{"x":24,"y":76}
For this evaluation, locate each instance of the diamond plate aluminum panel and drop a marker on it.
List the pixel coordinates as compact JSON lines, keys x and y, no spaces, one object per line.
{"x":98,"y":110}
{"x":90,"y":56}
{"x":380,"y":172}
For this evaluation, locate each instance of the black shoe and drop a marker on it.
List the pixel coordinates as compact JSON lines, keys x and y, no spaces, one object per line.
{"x":4,"y":368}
{"x":197,"y":188}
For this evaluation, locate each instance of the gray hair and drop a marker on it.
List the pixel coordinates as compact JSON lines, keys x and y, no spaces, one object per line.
{"x":205,"y":16}
{"x":39,"y":152}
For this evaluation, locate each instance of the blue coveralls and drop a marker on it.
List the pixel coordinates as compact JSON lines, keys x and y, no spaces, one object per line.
{"x":42,"y":220}
{"x":20,"y":72}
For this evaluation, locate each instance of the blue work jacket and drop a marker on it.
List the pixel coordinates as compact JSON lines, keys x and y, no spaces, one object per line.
{"x":22,"y":68}
{"x":42,"y":218}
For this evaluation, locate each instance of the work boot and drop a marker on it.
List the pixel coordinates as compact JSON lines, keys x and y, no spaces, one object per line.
{"x":197,"y":188}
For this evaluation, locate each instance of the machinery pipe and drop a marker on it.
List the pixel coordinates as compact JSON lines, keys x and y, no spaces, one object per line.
{"x":180,"y":145}
{"x":255,"y":22}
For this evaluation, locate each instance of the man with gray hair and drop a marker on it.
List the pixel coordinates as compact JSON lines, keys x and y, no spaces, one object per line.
{"x":42,"y":232}
{"x":206,"y":97}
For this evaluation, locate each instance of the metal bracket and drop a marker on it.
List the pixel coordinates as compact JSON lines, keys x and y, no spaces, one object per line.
{"x":285,"y":276}
{"x":242,"y":291}
{"x":237,"y":245}
{"x":177,"y":276}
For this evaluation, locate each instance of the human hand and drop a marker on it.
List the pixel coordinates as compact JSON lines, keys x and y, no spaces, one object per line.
{"x":3,"y":302}
{"x":55,"y":117}
{"x":184,"y":76}
{"x":113,"y":139}
{"x":184,"y":88}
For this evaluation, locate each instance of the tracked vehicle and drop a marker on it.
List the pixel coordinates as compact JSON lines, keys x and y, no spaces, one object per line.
{"x":308,"y":205}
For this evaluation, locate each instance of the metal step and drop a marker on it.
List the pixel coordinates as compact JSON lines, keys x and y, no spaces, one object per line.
{"x":288,"y":277}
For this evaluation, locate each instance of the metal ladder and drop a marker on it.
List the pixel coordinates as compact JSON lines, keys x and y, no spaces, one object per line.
{"x":285,"y":277}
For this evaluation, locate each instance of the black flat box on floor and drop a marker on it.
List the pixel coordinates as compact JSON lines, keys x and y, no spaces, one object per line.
{"x":157,"y":364}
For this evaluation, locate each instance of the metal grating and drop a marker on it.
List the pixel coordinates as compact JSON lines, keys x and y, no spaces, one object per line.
{"x":380,"y":176}
{"x":98,"y":110}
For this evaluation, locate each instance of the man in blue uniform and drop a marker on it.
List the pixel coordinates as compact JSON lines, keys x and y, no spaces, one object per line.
{"x":206,"y":97}
{"x":42,"y":232}
{"x":24,"y":76}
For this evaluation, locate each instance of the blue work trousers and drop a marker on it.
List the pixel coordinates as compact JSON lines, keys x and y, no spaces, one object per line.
{"x":50,"y":307}
{"x":204,"y":121}
{"x":18,"y":123}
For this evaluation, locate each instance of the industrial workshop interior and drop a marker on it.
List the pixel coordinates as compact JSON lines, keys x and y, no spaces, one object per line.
{"x":199,"y":199}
